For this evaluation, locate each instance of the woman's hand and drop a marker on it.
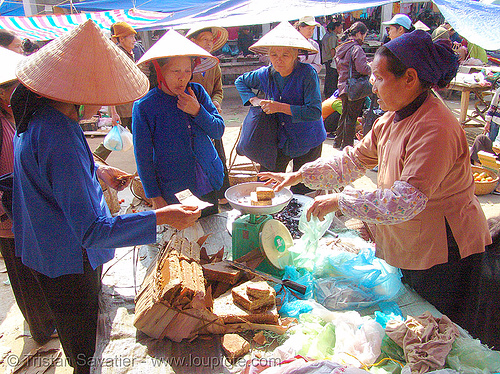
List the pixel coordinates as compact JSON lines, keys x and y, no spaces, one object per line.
{"x":217,"y":106}
{"x":323,"y":205}
{"x":177,"y":215}
{"x":188,"y":103}
{"x":271,"y":107}
{"x":158,"y":202}
{"x":255,"y":101}
{"x":113,"y":177}
{"x":115,"y":118}
{"x":280,"y":180}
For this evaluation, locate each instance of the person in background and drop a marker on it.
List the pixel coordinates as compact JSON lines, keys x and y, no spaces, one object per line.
{"x":124,"y":36}
{"x":428,"y":221}
{"x":481,"y":143}
{"x":174,"y":124}
{"x":306,"y":26}
{"x":331,"y":110}
{"x":329,"y":43}
{"x":138,"y":49}
{"x":399,"y":24}
{"x":212,"y":39}
{"x":245,"y":40}
{"x":11,"y":41}
{"x":292,"y":91}
{"x":30,"y":47}
{"x":27,"y":291}
{"x":63,"y":229}
{"x":493,"y":117}
{"x":454,"y":37}
{"x":350,"y":54}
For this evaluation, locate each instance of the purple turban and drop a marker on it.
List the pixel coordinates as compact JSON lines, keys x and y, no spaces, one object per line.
{"x":435,"y":62}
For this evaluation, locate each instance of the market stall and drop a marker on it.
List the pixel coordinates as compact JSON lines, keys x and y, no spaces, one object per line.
{"x":353,"y":339}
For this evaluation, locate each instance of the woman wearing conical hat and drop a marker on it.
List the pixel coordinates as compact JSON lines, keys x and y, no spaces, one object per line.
{"x":292,"y":91}
{"x":62,"y":226}
{"x":173,"y":126}
{"x":25,"y":287}
{"x":211,"y":39}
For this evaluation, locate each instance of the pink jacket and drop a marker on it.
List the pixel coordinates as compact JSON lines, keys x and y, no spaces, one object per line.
{"x":429,"y":151}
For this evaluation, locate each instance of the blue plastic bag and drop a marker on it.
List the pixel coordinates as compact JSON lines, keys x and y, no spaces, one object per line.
{"x":359,"y":281}
{"x":113,"y":140}
{"x":291,"y":305}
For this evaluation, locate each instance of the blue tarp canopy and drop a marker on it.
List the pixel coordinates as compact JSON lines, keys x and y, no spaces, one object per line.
{"x":477,"y":22}
{"x":150,"y":5}
{"x":9,"y":8}
{"x":253,"y":12}
{"x":230,"y":12}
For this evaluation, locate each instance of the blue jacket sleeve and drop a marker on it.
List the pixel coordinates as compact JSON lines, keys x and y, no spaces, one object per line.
{"x":143,"y":130}
{"x":311,"y":110}
{"x":208,"y":119}
{"x":71,"y":175}
{"x":246,"y":83}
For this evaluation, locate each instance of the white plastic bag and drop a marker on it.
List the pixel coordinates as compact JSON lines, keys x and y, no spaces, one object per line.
{"x":127,"y":138}
{"x":118,"y":138}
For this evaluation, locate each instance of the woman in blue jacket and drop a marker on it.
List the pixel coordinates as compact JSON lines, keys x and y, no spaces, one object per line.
{"x":173,"y":126}
{"x":292,"y":90}
{"x":63,"y":229}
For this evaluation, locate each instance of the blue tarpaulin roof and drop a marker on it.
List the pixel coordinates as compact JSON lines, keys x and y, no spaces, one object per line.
{"x":477,"y":22}
{"x":251,"y":12}
{"x":11,"y":8}
{"x":231,"y":12}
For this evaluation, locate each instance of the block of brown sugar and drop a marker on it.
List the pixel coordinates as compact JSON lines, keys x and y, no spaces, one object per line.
{"x":221,"y":272}
{"x":259,"y":289}
{"x":234,"y":346}
{"x":256,"y":202}
{"x":225,"y":308}
{"x":264,"y":193}
{"x":250,"y":303}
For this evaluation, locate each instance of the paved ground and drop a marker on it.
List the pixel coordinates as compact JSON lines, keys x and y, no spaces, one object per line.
{"x":233,"y":113}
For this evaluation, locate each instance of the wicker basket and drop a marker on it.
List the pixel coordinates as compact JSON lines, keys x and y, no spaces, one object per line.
{"x":111,"y":197}
{"x":243,"y":173}
{"x":484,"y":188}
{"x":138,"y":190}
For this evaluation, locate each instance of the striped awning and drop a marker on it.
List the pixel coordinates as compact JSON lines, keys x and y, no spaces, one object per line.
{"x":50,"y":27}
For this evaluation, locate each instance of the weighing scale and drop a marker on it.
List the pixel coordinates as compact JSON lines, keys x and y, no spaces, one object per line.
{"x":257,"y":229}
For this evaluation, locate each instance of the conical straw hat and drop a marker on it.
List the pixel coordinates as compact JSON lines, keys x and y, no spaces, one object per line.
{"x":283,"y":35}
{"x":173,"y":44}
{"x":220,"y":35}
{"x":419,"y":25}
{"x":83,"y":67}
{"x":9,"y":60}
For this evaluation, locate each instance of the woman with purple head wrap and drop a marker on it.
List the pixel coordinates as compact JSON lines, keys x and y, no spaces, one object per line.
{"x":428,"y":221}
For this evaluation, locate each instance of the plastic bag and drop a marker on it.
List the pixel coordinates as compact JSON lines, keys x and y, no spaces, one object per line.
{"x":291,"y":306}
{"x":118,"y":138}
{"x":358,"y":281}
{"x":470,"y":356}
{"x":303,"y":253}
{"x":127,"y":138}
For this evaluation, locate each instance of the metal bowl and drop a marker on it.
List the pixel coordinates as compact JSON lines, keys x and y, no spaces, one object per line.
{"x":238,"y":197}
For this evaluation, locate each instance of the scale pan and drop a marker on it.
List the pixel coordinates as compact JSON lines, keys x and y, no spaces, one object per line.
{"x":238,"y":197}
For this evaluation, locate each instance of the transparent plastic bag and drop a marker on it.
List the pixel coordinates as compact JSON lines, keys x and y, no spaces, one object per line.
{"x":127,"y":138}
{"x":470,"y":356}
{"x":113,"y":140}
{"x":118,"y":138}
{"x":291,"y":305}
{"x":303,"y":252}
{"x":358,"y":281}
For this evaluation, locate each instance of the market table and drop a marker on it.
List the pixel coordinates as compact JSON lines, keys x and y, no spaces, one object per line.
{"x":465,"y":86}
{"x":121,"y":348}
